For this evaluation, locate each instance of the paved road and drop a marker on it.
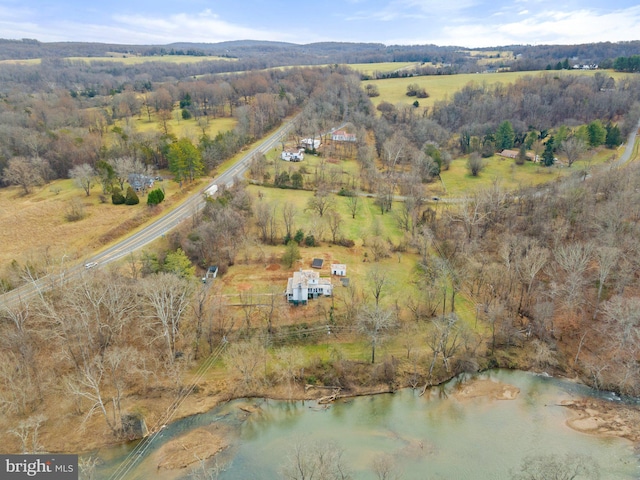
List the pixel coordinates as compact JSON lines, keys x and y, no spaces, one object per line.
{"x":156,"y":229}
{"x":628,"y":150}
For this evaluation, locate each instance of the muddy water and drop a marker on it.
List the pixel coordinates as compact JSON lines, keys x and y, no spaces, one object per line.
{"x":442,"y":435}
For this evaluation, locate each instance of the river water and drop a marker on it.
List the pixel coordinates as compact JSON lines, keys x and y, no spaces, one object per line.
{"x":436,"y":436}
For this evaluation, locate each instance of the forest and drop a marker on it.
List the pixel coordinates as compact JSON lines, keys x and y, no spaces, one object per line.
{"x":549,"y":271}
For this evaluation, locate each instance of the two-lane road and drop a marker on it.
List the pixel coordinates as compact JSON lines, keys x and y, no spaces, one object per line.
{"x":154,"y":230}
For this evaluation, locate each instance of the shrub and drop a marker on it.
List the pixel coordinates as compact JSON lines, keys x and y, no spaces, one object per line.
{"x":117,"y":198}
{"x":310,"y":241}
{"x":155,"y":197}
{"x":475,"y":164}
{"x":345,"y":242}
{"x":131,"y":198}
{"x":75,"y":210}
{"x":299,"y":236}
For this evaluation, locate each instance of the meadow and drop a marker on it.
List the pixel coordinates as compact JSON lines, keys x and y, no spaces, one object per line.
{"x":191,"y":128}
{"x":441,"y":87}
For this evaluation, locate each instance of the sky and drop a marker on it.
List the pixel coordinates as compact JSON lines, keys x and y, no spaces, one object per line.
{"x":467,"y":23}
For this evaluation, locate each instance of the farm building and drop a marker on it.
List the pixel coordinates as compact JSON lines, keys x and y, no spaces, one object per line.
{"x":305,"y":285}
{"x":310,"y":143}
{"x":339,"y":269}
{"x":343,"y":136}
{"x":292,"y":155}
{"x":514,"y":154}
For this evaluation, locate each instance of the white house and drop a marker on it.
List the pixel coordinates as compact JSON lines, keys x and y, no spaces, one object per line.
{"x":305,"y":285}
{"x":292,"y":155}
{"x":339,"y":269}
{"x":310,"y":143}
{"x":343,"y":136}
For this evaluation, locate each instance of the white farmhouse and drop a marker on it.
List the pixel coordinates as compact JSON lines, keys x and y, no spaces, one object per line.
{"x":292,"y":155}
{"x":310,"y":143}
{"x":339,"y":269}
{"x":343,"y":136}
{"x":305,"y":285}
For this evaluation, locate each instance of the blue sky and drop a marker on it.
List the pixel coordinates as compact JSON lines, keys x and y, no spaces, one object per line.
{"x":470,"y":23}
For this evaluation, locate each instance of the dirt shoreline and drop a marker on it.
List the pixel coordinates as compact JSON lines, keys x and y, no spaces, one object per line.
{"x":604,"y":418}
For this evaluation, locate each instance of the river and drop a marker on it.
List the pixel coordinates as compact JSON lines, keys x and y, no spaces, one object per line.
{"x":441,"y":435}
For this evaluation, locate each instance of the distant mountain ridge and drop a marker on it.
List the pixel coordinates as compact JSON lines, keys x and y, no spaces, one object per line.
{"x":525,"y":57}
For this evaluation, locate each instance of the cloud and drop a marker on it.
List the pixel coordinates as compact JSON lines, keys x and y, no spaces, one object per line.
{"x":548,"y":27}
{"x":204,"y":26}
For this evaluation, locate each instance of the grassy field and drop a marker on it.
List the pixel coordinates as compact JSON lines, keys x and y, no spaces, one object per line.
{"x":441,"y":87}
{"x":457,"y":181}
{"x":127,"y":59}
{"x":258,"y":268}
{"x":384,"y":67}
{"x":492,"y":57}
{"x":35,"y":229}
{"x":183,"y":128}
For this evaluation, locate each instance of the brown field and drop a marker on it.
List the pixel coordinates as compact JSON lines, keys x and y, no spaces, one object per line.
{"x":35,"y":230}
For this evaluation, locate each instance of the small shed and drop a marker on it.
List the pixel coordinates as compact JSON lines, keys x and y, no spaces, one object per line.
{"x":212,"y":272}
{"x":344,"y":281}
{"x":339,"y":269}
{"x":317,"y":263}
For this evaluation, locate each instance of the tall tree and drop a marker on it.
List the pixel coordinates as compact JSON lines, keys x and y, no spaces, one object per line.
{"x":185,"y":161}
{"x":84,"y":176}
{"x":505,"y":136}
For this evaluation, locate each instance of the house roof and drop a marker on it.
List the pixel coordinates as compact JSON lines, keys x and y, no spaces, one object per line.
{"x":317,"y":263}
{"x":303,"y":278}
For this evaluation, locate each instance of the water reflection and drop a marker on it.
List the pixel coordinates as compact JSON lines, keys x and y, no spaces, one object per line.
{"x":439,"y":435}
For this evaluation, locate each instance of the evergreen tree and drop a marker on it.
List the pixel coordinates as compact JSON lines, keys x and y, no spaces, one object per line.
{"x":522,"y":155}
{"x":297,"y":181}
{"x":132,"y":197}
{"x":548,"y":156}
{"x":291,"y":254}
{"x":614,"y":137}
{"x":505,"y":136}
{"x":155,"y":197}
{"x":177,"y":262}
{"x":597,"y":133}
{"x":185,"y":161}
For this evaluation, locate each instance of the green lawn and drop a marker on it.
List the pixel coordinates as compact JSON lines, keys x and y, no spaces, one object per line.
{"x":457,"y":181}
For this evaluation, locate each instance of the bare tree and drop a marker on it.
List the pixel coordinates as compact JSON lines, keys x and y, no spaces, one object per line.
{"x":23,"y":172}
{"x":573,"y":148}
{"x":321,"y":461}
{"x":353,"y":205}
{"x":27,"y":432}
{"x":321,"y":202}
{"x":607,"y":258}
{"x":374,"y":322}
{"x":289,"y":213}
{"x":334,"y":219}
{"x":84,"y":176}
{"x":569,"y":467}
{"x":246,"y":358}
{"x":167,"y":297}
{"x":378,"y":281}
